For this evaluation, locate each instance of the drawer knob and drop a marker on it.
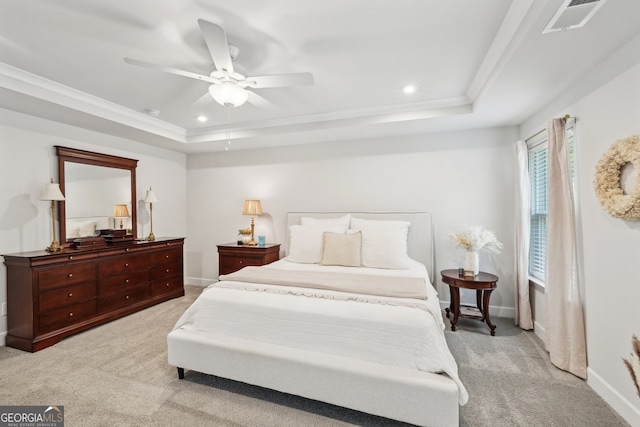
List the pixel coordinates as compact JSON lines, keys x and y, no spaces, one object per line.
{"x":70,"y":275}
{"x":71,"y":257}
{"x":126,"y":264}
{"x":126,"y":249}
{"x":168,"y":285}
{"x":71,"y":314}
{"x":241,"y":261}
{"x":167,"y":270}
{"x":70,"y":294}
{"x":126,"y":280}
{"x":166,"y":257}
{"x":127,"y":297}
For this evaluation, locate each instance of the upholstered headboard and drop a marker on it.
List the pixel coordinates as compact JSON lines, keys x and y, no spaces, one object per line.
{"x":420,"y":244}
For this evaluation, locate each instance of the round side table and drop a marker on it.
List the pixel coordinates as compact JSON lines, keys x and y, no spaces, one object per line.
{"x":483,"y":284}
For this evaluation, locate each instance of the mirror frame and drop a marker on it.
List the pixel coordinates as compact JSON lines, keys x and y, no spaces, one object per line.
{"x":73,"y":155}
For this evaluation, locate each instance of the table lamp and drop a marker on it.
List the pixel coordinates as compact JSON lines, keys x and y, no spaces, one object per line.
{"x":121,"y":211}
{"x":52,"y":193}
{"x":253,"y":208}
{"x":151,"y":199}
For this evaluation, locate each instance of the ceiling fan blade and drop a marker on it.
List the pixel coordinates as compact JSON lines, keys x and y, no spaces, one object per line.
{"x":202,"y":102}
{"x":216,"y":40}
{"x":171,"y":70}
{"x":279,"y":80}
{"x":259,"y":101}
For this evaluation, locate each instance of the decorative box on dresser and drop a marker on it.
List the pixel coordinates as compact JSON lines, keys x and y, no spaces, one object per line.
{"x":53,"y":295}
{"x":232,"y":257}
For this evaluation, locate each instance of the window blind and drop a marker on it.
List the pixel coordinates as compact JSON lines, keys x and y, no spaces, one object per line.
{"x":538,"y":159}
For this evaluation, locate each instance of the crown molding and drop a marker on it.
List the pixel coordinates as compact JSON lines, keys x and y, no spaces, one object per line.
{"x":21,"y":81}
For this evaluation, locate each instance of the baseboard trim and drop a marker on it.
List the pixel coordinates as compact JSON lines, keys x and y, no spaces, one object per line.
{"x":494,"y":311}
{"x":197,"y":281}
{"x":619,"y":403}
{"x":3,"y":339}
{"x":539,"y":330}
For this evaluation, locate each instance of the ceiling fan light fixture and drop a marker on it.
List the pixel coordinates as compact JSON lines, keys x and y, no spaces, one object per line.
{"x":228,"y":94}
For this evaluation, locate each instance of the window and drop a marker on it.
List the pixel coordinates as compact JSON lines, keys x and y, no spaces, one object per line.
{"x":538,"y":154}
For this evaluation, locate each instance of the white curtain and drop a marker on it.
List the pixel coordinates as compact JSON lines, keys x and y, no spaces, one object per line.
{"x":564,"y":322}
{"x":523,"y":305}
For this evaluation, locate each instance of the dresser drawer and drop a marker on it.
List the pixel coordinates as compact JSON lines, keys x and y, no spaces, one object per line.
{"x":166,"y":256}
{"x":166,"y":270}
{"x":122,"y":281}
{"x":122,"y":264}
{"x":64,"y":297}
{"x":67,"y":316}
{"x":160,"y":287}
{"x":69,"y":274}
{"x":124,"y":298}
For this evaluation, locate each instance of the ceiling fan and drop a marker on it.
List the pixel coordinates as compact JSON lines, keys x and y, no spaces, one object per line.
{"x":229,"y":87}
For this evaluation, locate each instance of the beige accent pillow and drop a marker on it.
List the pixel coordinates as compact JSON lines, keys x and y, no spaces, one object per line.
{"x":341,"y":249}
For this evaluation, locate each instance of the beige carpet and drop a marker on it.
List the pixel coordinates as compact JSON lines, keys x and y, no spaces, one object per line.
{"x":117,"y":375}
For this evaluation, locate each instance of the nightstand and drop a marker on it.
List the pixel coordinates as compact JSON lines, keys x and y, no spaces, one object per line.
{"x":232,"y":257}
{"x":483,"y":284}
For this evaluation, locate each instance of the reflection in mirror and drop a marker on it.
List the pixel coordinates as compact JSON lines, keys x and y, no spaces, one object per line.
{"x":92,"y":193}
{"x":93,"y":184}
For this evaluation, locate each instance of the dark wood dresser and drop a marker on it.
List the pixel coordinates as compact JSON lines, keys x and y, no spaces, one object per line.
{"x":53,"y":295}
{"x":232,"y":257}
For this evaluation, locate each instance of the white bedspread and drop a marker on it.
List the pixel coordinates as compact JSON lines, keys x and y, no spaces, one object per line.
{"x":403,"y":332}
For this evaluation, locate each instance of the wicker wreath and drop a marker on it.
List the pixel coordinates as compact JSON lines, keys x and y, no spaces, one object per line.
{"x":607,"y":179}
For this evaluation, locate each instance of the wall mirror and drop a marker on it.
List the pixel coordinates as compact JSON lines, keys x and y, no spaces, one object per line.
{"x":93,"y":185}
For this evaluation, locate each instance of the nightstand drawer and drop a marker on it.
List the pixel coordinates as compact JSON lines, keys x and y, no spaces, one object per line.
{"x":229,"y":264}
{"x":233,"y":257}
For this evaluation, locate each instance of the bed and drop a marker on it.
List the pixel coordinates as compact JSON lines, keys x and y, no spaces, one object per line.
{"x":348,"y":317}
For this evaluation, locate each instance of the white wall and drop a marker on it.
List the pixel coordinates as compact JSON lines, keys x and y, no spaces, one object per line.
{"x":461,"y":178}
{"x":611,"y":247}
{"x":28,"y":161}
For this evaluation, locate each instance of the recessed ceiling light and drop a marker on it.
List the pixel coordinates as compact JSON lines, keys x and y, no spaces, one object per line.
{"x":409,"y":89}
{"x":202,"y":119}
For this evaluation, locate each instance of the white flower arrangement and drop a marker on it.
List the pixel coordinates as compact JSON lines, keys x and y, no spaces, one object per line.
{"x":634,"y":363}
{"x":475,"y":238}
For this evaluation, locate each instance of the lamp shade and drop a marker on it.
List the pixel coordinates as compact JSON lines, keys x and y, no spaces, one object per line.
{"x":150,"y":197}
{"x":52,"y":192}
{"x":121,"y":211}
{"x":228,"y":94}
{"x":252,"y":207}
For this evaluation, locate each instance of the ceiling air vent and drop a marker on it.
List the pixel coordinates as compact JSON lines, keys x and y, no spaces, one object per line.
{"x":573,"y":14}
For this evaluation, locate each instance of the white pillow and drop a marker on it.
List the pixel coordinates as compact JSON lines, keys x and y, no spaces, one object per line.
{"x":342,"y":221}
{"x":305,"y":243}
{"x":341,"y":249}
{"x":384,"y":243}
{"x":72,"y":233}
{"x":87,"y":228}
